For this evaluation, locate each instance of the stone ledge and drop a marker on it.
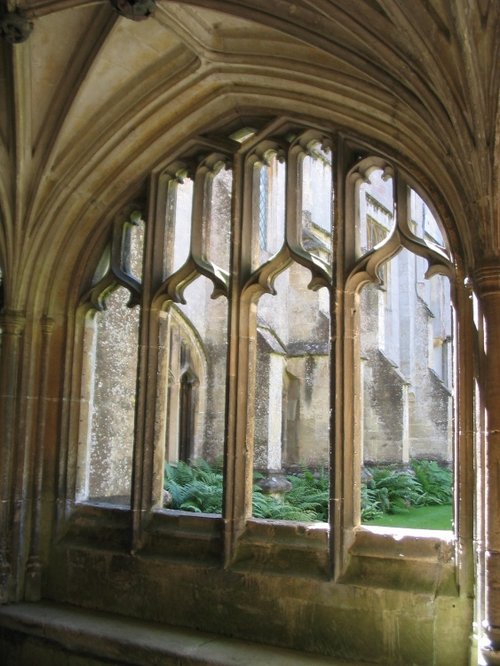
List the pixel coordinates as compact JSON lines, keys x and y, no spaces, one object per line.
{"x":122,"y":640}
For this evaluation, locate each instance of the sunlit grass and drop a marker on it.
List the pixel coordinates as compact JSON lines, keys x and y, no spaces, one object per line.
{"x":437,"y":517}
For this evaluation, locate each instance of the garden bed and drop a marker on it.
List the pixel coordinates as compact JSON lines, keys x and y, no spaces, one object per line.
{"x":418,"y":496}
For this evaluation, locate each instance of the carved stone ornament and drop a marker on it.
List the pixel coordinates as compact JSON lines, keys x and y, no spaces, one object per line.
{"x":15,"y":27}
{"x":136,"y":10}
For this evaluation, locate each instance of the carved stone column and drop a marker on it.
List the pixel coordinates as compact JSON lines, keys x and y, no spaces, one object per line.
{"x":487,"y":284}
{"x":12,"y":324}
{"x":33,"y":579}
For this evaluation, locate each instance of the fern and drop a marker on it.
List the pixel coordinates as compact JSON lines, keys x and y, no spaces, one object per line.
{"x":181,"y":473}
{"x":370,"y":504}
{"x":198,"y":487}
{"x":267,"y":506}
{"x":395,"y":490}
{"x":179,"y":494}
{"x":310,"y":493}
{"x":436,"y":481}
{"x":194,"y":487}
{"x":392,"y":491}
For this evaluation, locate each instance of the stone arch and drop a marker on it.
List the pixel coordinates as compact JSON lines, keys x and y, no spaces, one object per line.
{"x":185,"y":375}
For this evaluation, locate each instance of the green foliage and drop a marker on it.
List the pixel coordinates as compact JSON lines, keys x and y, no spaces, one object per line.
{"x":306,"y":501}
{"x":391,"y":490}
{"x":198,"y":487}
{"x":310,"y":493}
{"x":195,"y":487}
{"x":436,"y":481}
{"x":370,"y":505}
{"x":268,"y":506}
{"x":395,"y":489}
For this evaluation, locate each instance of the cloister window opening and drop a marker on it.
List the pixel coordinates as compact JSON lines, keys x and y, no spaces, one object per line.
{"x":281,"y":207}
{"x":292,"y":398}
{"x":194,"y":343}
{"x":178,"y":224}
{"x":263,"y":207}
{"x":289,"y":371}
{"x":268,"y":204}
{"x":405,"y":375}
{"x":192,"y":334}
{"x":109,"y":369}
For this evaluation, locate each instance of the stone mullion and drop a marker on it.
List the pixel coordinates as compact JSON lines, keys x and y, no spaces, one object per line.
{"x":12,"y":325}
{"x":487,"y":282}
{"x":197,"y":231}
{"x":343,"y":458}
{"x":237,"y":469}
{"x":294,"y":198}
{"x":143,"y":459}
{"x":463,"y":453}
{"x":143,"y":469}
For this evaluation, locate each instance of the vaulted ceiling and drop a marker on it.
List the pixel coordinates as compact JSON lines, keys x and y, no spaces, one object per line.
{"x":94,"y":101}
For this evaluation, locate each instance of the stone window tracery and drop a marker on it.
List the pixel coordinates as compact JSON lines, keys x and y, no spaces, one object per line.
{"x":270,"y":323}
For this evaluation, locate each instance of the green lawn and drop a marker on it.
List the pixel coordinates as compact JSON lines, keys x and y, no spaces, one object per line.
{"x":424,"y":518}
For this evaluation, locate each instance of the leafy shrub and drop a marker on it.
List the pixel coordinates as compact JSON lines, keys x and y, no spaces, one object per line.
{"x":268,"y":506}
{"x":195,"y":487}
{"x":370,"y":505}
{"x":436,"y":481}
{"x":390,"y":490}
{"x":309,"y":493}
{"x":395,"y":489}
{"x":198,"y":487}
